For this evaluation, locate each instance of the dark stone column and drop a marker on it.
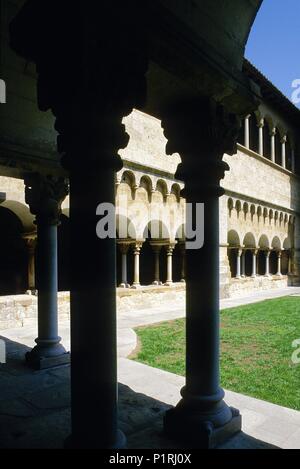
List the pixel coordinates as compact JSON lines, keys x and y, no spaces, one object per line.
{"x":44,"y":197}
{"x":91,"y":74}
{"x":201,"y":132}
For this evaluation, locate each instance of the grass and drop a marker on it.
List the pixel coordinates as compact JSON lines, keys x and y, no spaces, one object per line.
{"x":256,"y":349}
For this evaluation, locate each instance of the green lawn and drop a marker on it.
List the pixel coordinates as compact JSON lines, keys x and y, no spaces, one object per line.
{"x":256,"y":349}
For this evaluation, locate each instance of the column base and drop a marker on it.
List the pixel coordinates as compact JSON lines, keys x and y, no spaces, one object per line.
{"x":124,"y":285}
{"x":41,"y":358}
{"x":157,"y":283}
{"x":136,"y":286}
{"x":169,"y":284}
{"x":80,"y":443}
{"x":182,"y":280}
{"x":196,"y":429}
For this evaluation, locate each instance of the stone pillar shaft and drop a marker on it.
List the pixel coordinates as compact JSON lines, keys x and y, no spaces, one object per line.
{"x":136,"y":273}
{"x":247,"y":131}
{"x":283,"y":152}
{"x":273,"y":151}
{"x":254,"y":260}
{"x":44,"y":196}
{"x":279,"y":254}
{"x":170,"y":250}
{"x":238,"y":263}
{"x":261,"y":138}
{"x":194,"y":129}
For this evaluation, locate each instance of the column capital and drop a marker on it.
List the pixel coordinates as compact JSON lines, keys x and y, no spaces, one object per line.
{"x":123,"y":246}
{"x":261,"y":123}
{"x":137,"y":246}
{"x":201,"y":131}
{"x":170,"y":248}
{"x":44,"y":195}
{"x":30,"y":240}
{"x":273,"y":132}
{"x":283,"y":139}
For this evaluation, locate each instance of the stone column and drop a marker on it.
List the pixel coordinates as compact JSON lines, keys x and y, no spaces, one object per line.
{"x":267,"y":254}
{"x":201,"y":131}
{"x":136,"y":273}
{"x":182,"y":252}
{"x":247,"y":131}
{"x":89,"y":109}
{"x":156,"y":249}
{"x":279,"y":255}
{"x":261,"y":137}
{"x":243,"y":264}
{"x":238,"y":263}
{"x":254,"y":260}
{"x":30,"y":240}
{"x":44,"y":197}
{"x":273,"y":151}
{"x":283,"y":151}
{"x":124,"y":247}
{"x":170,"y":250}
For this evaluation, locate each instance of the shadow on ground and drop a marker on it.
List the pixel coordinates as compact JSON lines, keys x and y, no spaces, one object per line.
{"x":35,"y":410}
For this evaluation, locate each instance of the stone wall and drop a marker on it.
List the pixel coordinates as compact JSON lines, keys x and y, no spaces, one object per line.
{"x":15,"y":311}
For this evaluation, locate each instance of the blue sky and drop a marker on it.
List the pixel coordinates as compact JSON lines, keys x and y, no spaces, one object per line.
{"x":274,"y":43}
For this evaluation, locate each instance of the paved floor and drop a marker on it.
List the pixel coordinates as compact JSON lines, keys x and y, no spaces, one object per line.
{"x":34,"y":406}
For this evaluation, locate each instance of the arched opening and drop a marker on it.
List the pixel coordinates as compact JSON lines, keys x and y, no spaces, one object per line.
{"x":155,"y":232}
{"x":125,"y":234}
{"x":234,"y":243}
{"x":288,"y":154}
{"x":13,"y":255}
{"x":267,"y":140}
{"x":179,"y":255}
{"x":253,"y":133}
{"x":278,"y":148}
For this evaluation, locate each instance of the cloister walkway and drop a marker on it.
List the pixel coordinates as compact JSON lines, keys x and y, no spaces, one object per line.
{"x":35,"y":406}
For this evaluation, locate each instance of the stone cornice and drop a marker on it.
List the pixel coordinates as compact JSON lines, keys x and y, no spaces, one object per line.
{"x":135,"y":165}
{"x":254,"y":200}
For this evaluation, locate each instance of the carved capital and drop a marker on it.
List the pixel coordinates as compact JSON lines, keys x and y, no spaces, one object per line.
{"x":201,"y":131}
{"x":44,"y":195}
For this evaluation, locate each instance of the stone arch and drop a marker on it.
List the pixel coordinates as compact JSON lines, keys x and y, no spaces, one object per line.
{"x":259,"y":213}
{"x":245,"y":209}
{"x":238,"y":207}
{"x":176,"y":190}
{"x":146,"y":183}
{"x":22,"y":212}
{"x":276,"y":243}
{"x":249,"y":241}
{"x":233,"y":238}
{"x":162,"y":187}
{"x":156,"y":229}
{"x":230,"y":205}
{"x":264,"y":242}
{"x":252,"y":211}
{"x":128,"y":177}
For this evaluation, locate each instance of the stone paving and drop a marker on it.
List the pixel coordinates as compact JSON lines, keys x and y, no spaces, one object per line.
{"x":35,"y":406}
